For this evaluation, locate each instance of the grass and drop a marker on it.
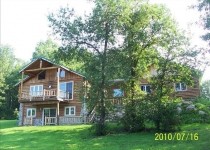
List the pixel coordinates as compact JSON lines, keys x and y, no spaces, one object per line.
{"x":78,"y":137}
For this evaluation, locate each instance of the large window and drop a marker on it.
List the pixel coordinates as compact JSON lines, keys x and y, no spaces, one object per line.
{"x":146,"y":88}
{"x":41,"y":76}
{"x":118,"y":93}
{"x":36,"y":90}
{"x":66,"y":90}
{"x":31,"y":112}
{"x":180,"y":87}
{"x":70,"y":111}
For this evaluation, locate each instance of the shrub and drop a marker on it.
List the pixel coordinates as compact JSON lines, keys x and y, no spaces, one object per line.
{"x":133,"y":119}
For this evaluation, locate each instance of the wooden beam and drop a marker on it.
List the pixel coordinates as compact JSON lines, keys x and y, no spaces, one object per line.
{"x":38,"y":69}
{"x":58,"y":112}
{"x":40,"y":64}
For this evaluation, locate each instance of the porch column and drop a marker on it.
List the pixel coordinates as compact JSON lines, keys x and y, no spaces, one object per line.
{"x":21,"y":85}
{"x":58,"y":84}
{"x":58,"y":112}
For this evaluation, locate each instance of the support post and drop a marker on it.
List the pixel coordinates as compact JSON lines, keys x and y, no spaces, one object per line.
{"x":21,"y":85}
{"x":58,"y":84}
{"x":58,"y":112}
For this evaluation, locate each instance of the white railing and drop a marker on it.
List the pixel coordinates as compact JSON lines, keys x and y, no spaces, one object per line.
{"x":39,"y":94}
{"x":50,"y":120}
{"x":28,"y":121}
{"x":65,"y":95}
{"x":70,"y":120}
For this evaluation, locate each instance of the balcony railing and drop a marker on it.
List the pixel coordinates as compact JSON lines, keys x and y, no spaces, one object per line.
{"x":50,"y":120}
{"x":45,"y":94}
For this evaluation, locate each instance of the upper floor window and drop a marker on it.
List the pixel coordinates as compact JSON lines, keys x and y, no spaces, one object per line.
{"x":41,"y":75}
{"x":66,"y":90}
{"x":62,"y":73}
{"x":31,"y":112}
{"x":146,"y":88}
{"x":36,"y":90}
{"x":118,"y":93}
{"x":71,"y":110}
{"x":180,"y":87}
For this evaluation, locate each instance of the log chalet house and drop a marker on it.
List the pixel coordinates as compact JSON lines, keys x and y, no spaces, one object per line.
{"x":51,"y":94}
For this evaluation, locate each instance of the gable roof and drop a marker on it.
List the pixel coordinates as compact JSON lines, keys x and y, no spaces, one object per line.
{"x":44,"y":59}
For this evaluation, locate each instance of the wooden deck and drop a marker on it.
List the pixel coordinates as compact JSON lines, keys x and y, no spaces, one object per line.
{"x":50,"y":94}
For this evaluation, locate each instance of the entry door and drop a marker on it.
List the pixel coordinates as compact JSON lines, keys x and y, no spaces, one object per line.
{"x":49,"y":112}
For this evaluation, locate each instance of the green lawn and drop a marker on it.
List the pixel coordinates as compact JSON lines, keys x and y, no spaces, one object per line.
{"x":77,"y":137}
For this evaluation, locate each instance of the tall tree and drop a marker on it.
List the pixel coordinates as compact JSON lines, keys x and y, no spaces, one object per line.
{"x":8,"y":78}
{"x":45,"y":49}
{"x":204,"y":7}
{"x":148,"y":34}
{"x":95,"y":35}
{"x":50,"y":50}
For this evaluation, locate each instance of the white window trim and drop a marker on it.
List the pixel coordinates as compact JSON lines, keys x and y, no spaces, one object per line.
{"x":70,"y":111}
{"x":118,"y":89}
{"x":35,"y":86}
{"x":72,"y":88}
{"x":180,"y":90}
{"x":32,"y":116}
{"x":145,"y":85}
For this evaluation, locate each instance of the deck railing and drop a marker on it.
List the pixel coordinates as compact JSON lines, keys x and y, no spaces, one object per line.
{"x":70,"y":120}
{"x":28,"y":121}
{"x":45,"y":94}
{"x":50,"y":120}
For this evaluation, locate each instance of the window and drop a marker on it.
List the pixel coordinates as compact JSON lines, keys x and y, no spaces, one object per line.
{"x":70,"y":110}
{"x":66,"y":90}
{"x":62,"y":74}
{"x":31,"y":112}
{"x":36,"y":90}
{"x":180,"y":87}
{"x":41,"y":76}
{"x":146,"y":88}
{"x":118,"y":93}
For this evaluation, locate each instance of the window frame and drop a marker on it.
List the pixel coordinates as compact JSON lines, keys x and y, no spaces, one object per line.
{"x":31,"y":109}
{"x":145,"y":88}
{"x":44,"y":71}
{"x":40,"y":85}
{"x":120,"y":90}
{"x":65,"y":87}
{"x":180,"y":87}
{"x":69,"y":114}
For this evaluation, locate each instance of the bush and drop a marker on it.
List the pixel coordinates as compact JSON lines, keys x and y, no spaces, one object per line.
{"x":170,"y":120}
{"x":133,"y":119}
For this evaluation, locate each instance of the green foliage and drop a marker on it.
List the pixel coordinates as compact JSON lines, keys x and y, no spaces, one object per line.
{"x":204,"y":7}
{"x":205,"y":89}
{"x":9,"y":76}
{"x":133,"y":119}
{"x":46,"y":49}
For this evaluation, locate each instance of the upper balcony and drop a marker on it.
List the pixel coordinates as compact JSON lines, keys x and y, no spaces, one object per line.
{"x":45,"y":94}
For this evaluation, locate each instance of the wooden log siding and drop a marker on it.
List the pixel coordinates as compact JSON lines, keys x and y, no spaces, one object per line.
{"x":40,"y":107}
{"x":51,"y":80}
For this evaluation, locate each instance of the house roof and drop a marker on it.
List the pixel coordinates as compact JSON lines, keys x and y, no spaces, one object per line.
{"x":48,"y":61}
{"x":41,"y":58}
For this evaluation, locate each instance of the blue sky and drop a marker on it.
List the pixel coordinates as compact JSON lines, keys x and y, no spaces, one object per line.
{"x":24,"y":22}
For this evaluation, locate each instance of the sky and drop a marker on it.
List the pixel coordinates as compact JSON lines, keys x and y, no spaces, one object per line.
{"x":24,"y":23}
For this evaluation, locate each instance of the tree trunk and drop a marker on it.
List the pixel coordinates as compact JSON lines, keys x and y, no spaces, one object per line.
{"x":103,"y":79}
